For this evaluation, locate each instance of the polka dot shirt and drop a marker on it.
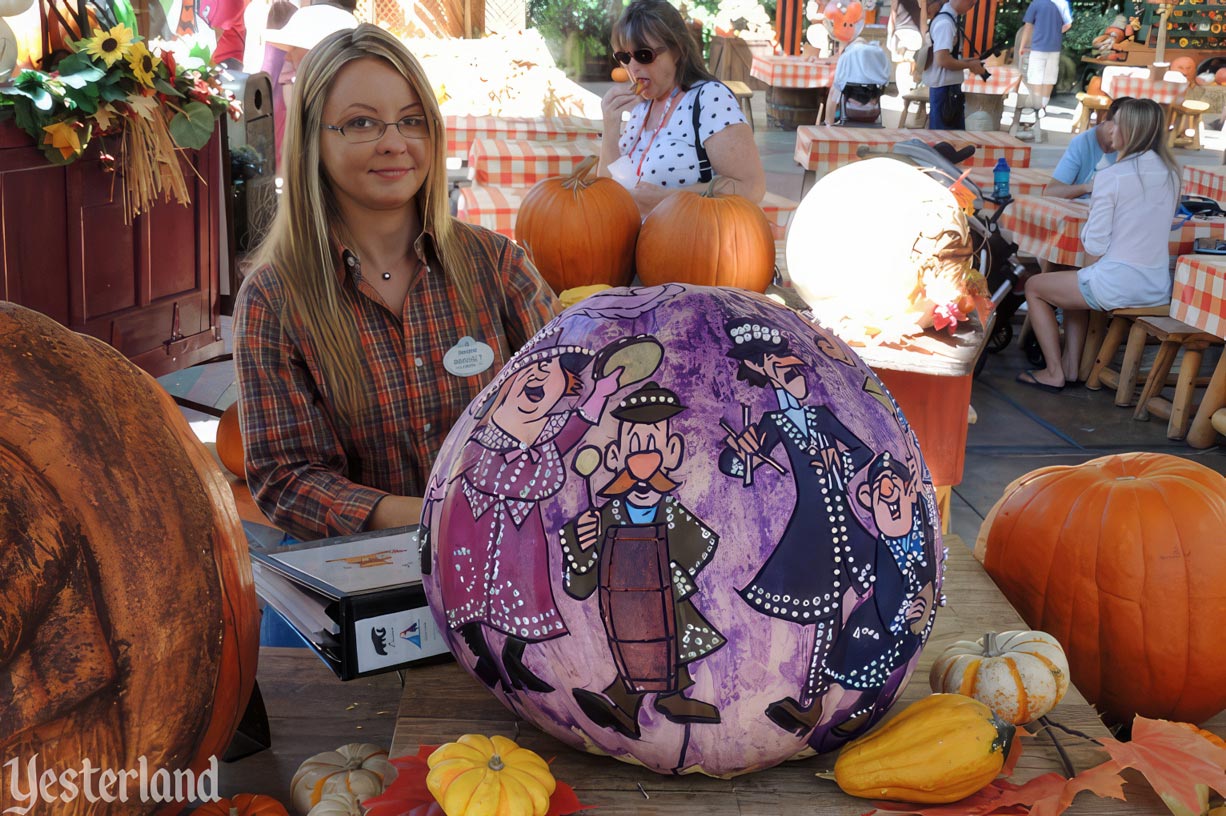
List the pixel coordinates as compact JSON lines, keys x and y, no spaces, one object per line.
{"x":672,"y":160}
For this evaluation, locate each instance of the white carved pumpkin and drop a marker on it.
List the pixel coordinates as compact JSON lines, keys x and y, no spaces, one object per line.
{"x":362,"y":769}
{"x":1021,"y":675}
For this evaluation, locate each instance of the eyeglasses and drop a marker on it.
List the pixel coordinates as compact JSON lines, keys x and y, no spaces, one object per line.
{"x":365,"y":129}
{"x":643,"y":56}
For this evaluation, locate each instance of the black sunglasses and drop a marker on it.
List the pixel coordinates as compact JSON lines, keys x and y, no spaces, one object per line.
{"x":643,"y":56}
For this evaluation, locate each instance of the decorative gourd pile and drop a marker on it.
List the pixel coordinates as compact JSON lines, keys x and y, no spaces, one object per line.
{"x":688,"y":528}
{"x":361,"y":770}
{"x":1123,"y":560}
{"x":582,"y":230}
{"x":128,"y":575}
{"x":880,"y":251}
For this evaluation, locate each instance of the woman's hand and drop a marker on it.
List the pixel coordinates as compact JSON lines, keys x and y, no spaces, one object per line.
{"x":648,"y":195}
{"x":616,"y":101}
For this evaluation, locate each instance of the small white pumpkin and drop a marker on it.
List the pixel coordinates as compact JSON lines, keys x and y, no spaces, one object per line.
{"x":1021,"y":675}
{"x":362,"y":769}
{"x":337,"y":803}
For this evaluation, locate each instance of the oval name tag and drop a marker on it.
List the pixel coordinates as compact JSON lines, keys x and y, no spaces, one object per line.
{"x":468,"y":357}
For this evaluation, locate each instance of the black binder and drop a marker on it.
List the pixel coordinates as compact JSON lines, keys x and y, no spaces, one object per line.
{"x":356,"y":600}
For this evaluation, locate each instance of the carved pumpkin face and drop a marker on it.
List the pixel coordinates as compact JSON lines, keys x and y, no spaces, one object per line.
{"x":845,"y":19}
{"x":653,"y":571}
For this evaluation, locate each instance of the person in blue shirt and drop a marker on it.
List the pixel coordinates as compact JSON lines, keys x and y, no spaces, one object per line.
{"x":1039,"y":44}
{"x":1086,"y":154}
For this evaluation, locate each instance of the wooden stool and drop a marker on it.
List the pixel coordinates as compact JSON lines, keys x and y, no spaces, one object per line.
{"x":1090,"y":107}
{"x":1123,"y":380}
{"x":1183,"y":123}
{"x":919,"y":98}
{"x":1173,"y":336}
{"x":743,"y":95}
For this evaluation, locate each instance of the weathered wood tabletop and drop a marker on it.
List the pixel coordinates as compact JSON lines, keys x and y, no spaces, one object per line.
{"x":442,"y":702}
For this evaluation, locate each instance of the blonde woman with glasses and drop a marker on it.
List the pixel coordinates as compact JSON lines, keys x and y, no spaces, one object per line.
{"x":1126,"y":236}
{"x":362,"y":287}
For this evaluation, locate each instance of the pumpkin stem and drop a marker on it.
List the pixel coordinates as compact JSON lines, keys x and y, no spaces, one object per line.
{"x":495,"y":763}
{"x":579,"y":177}
{"x":990,"y":649}
{"x":710,"y":191}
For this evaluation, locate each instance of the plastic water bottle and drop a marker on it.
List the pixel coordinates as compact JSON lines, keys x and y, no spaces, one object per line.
{"x":1000,"y":180}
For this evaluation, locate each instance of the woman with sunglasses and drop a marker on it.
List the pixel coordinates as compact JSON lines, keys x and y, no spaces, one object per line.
{"x":662,"y":147}
{"x":363,"y":285}
{"x":1127,"y":236}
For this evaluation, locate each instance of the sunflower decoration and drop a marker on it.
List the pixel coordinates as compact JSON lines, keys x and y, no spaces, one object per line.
{"x":143,"y":64}
{"x":111,"y":45}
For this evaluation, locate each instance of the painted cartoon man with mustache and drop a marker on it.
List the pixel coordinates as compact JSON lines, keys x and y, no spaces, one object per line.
{"x":643,"y":549}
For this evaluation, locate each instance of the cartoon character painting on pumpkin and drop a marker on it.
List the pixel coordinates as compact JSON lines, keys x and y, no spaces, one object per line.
{"x":801,"y":582}
{"x":494,"y":569}
{"x":886,"y":629}
{"x":643,"y":550}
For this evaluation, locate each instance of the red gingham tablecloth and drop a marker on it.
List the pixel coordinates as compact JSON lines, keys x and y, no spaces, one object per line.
{"x":1199,"y":295}
{"x":1022,"y":180}
{"x":1004,"y":80}
{"x":495,"y":208}
{"x":1205,"y":181}
{"x":1051,"y":228}
{"x":1162,"y":92}
{"x":462,"y":130}
{"x":822,"y":149}
{"x":793,"y":72}
{"x":519,"y":163}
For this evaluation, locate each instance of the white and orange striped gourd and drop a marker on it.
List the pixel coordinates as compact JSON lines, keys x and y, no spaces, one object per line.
{"x":1021,"y":675}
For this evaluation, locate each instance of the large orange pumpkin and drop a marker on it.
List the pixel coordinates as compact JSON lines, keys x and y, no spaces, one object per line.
{"x":129,"y":573}
{"x":1123,"y":560}
{"x":579,"y":231}
{"x":706,"y":239}
{"x":243,"y":804}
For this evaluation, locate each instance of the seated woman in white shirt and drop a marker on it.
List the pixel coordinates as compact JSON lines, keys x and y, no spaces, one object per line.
{"x":861,"y":63}
{"x":685,"y":126}
{"x":1126,"y":237}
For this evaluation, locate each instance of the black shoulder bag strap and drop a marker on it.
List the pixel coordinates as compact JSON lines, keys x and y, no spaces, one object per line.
{"x":705,"y":173}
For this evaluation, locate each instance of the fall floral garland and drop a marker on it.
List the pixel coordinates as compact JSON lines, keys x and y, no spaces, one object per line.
{"x":113,"y":85}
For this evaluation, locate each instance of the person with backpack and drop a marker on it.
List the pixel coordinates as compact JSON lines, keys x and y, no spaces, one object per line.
{"x":944,"y":69}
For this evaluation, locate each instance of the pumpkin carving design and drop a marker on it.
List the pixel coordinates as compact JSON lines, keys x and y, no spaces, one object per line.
{"x":1123,"y":561}
{"x":686,"y":527}
{"x":1020,"y":675}
{"x":579,"y":231}
{"x":129,"y":619}
{"x":708,"y":239}
{"x":362,"y":769}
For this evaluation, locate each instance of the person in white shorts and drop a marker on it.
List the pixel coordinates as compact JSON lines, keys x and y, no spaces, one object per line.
{"x":1038,"y":45}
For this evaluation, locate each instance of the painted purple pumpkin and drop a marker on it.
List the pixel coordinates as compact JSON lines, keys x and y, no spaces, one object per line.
{"x":688,"y":528}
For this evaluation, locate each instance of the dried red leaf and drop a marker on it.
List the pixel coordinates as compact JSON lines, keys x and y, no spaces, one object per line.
{"x":1173,"y":759}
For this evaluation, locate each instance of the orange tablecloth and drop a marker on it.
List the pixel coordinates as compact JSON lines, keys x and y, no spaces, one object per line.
{"x":1050,"y":228}
{"x":520,"y":162}
{"x":1004,"y":80}
{"x":1022,"y":180}
{"x":462,"y":130}
{"x":821,"y":149}
{"x":781,"y":71}
{"x":1198,"y":297}
{"x":1205,"y":181}
{"x":1164,"y":93}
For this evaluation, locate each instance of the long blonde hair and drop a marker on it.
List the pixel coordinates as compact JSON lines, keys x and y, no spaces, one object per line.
{"x":1143,"y":125}
{"x":301,"y":244}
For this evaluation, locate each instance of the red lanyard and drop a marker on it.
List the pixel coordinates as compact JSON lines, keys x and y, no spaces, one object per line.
{"x":672,"y":101}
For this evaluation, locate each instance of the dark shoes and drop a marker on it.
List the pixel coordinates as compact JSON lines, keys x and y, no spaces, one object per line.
{"x":1028,"y":378}
{"x":520,"y":675}
{"x":792,"y":716}
{"x":608,"y":714}
{"x":683,"y":710}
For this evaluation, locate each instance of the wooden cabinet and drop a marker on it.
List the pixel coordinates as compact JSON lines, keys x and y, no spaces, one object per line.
{"x":149,"y":288}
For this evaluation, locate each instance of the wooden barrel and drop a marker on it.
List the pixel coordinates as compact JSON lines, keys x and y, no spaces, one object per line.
{"x":636,"y":602}
{"x":789,"y":108}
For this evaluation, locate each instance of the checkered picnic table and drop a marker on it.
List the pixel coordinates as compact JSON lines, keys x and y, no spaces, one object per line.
{"x":821,"y":149}
{"x":495,"y":208}
{"x":781,"y":71}
{"x":521,"y":162}
{"x":1161,"y":91}
{"x":1205,"y":181}
{"x":1004,"y":80}
{"x":462,"y":130}
{"x":1022,"y":181}
{"x":1198,"y":297}
{"x":1050,"y":228}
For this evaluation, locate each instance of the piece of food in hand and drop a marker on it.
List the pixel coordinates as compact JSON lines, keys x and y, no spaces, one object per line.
{"x":637,"y":87}
{"x":620,"y":75}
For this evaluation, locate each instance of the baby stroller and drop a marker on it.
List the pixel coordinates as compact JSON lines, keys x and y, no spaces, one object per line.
{"x":860,"y":105}
{"x":995,"y":255}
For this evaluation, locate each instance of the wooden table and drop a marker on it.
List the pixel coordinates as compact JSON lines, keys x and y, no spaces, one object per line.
{"x":1205,"y":181}
{"x":462,"y":130}
{"x":1198,"y":298}
{"x":442,"y":702}
{"x":821,"y":149}
{"x":988,"y":95}
{"x":1050,"y":228}
{"x":1022,"y":180}
{"x":1140,"y":86}
{"x":524,"y":162}
{"x":782,"y":71}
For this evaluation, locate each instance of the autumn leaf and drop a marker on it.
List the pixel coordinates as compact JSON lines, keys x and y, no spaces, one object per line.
{"x":1176,"y":761}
